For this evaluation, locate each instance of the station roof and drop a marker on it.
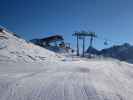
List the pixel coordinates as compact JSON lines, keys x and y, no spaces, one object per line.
{"x":53,"y":38}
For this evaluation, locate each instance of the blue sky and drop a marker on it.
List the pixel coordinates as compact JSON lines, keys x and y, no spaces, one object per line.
{"x":111,"y":19}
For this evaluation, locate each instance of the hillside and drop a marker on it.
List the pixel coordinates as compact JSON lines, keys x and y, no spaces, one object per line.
{"x":16,"y":49}
{"x":121,"y":52}
{"x":28,"y":72}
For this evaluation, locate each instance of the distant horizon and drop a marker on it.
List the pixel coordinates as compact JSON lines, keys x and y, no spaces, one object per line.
{"x":80,"y":41}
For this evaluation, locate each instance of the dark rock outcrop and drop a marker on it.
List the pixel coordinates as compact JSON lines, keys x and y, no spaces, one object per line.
{"x":122,"y":52}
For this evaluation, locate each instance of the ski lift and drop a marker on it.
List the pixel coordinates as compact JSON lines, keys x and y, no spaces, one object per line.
{"x":106,"y":42}
{"x":81,"y":37}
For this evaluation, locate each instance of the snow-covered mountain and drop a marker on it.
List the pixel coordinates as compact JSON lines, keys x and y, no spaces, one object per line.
{"x":122,"y":52}
{"x":29,"y":72}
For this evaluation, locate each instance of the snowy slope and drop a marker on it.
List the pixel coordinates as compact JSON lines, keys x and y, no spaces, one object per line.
{"x":43,"y":76}
{"x":15,"y":49}
{"x":78,"y":80}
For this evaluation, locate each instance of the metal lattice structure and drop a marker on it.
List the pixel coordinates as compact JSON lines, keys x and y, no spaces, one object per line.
{"x":82,"y":35}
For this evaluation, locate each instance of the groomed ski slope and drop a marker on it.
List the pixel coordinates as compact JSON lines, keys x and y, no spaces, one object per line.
{"x":46,"y":76}
{"x":78,"y":80}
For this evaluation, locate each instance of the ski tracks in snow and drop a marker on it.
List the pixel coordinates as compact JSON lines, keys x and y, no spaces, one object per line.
{"x":65,"y":81}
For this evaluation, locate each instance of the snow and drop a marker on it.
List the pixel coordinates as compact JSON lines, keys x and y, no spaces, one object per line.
{"x":54,"y":77}
{"x":17,"y":49}
{"x":78,"y":80}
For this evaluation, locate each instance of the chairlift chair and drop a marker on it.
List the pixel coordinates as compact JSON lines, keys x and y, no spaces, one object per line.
{"x":105,"y":42}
